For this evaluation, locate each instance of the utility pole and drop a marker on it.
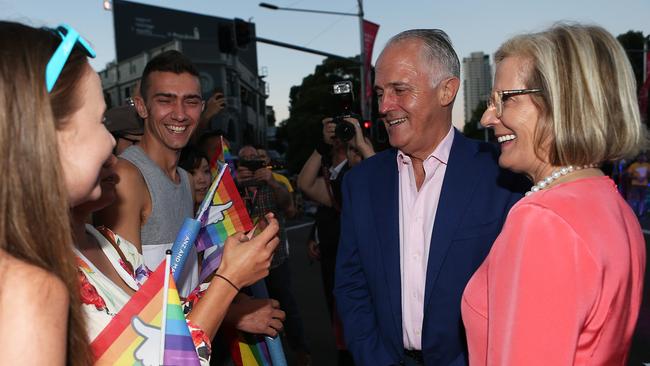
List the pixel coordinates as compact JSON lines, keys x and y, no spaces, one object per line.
{"x":365,"y":115}
{"x":362,"y":67}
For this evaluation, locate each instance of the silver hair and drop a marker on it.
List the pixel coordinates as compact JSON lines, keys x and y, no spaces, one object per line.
{"x":437,"y":49}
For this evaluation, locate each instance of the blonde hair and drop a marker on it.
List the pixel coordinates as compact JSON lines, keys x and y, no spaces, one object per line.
{"x":34,"y":210}
{"x":588,"y":101}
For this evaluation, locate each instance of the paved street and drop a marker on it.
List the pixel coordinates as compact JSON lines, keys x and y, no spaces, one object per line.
{"x":309,"y":295}
{"x":308,"y":291}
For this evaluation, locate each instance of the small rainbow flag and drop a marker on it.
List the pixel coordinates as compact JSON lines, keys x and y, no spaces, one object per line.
{"x":221,"y":154}
{"x":224,"y":214}
{"x":134,"y":335}
{"x":179,"y":346}
{"x":249,"y":350}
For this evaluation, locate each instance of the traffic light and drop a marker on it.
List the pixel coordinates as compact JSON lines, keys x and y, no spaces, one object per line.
{"x":243,"y":33}
{"x":234,"y":35}
{"x":226,"y":38}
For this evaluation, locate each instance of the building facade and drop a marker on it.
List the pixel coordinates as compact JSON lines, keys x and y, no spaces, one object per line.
{"x":226,"y":62}
{"x":477,"y":82}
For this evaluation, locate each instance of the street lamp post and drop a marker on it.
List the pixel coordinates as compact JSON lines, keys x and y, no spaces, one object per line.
{"x":363,"y":71}
{"x":362,"y":58}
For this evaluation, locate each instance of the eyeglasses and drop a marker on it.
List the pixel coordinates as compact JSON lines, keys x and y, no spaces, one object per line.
{"x":69,"y":38}
{"x":499,"y":97}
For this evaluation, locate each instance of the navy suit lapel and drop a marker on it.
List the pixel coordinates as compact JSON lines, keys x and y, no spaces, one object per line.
{"x":460,"y":178}
{"x":383,"y":184}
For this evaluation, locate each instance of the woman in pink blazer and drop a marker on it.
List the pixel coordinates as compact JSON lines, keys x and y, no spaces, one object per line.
{"x":563,"y":281}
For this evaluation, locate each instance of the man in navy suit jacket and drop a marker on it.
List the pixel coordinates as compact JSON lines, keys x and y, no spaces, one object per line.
{"x":417,"y":219}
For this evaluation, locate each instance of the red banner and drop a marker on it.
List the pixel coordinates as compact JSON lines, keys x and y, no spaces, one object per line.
{"x":370,"y":30}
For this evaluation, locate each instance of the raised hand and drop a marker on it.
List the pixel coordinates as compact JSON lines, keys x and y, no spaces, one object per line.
{"x":245,"y":261}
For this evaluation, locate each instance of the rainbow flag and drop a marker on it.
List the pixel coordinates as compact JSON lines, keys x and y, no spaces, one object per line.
{"x":254,"y":349}
{"x":134,"y":335}
{"x":224,"y":213}
{"x":221,"y":154}
{"x":249,"y":350}
{"x":221,"y":214}
{"x":179,"y":346}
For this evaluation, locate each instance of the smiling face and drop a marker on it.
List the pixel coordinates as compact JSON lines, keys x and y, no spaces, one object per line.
{"x":85,"y":143}
{"x":416,"y":113}
{"x":515,"y":129}
{"x":172,"y":109}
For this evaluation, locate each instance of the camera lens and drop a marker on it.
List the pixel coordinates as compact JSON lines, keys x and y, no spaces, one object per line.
{"x":344,"y":130}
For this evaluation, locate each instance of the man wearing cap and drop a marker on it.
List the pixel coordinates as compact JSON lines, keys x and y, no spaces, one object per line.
{"x":125,"y":125}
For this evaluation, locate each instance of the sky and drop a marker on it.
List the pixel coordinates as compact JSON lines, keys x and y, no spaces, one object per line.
{"x":473,"y":25}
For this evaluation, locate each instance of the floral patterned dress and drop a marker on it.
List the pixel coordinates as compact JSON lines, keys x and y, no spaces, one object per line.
{"x":102,"y":299}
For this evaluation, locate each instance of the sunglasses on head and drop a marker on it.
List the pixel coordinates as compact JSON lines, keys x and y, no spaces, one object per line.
{"x":69,"y":39}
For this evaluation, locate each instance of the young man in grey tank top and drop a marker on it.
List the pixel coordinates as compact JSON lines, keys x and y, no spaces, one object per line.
{"x":154,"y":195}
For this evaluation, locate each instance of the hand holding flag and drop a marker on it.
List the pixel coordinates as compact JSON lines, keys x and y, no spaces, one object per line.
{"x":222,"y":213}
{"x":247,"y":260}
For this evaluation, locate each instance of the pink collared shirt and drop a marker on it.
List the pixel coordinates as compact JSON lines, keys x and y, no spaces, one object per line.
{"x":417,"y":212}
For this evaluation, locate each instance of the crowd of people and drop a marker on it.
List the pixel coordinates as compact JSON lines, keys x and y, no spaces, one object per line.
{"x":440,"y":250}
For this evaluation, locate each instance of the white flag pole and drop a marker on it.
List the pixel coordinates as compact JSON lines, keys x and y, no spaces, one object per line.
{"x":168,"y":259}
{"x":209,"y":196}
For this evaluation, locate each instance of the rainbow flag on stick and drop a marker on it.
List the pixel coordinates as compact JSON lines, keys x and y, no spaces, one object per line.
{"x":150,"y":329}
{"x":221,"y":154}
{"x":274,"y":345}
{"x":254,"y":349}
{"x":249,"y":350}
{"x":222,"y":212}
{"x":211,"y":263}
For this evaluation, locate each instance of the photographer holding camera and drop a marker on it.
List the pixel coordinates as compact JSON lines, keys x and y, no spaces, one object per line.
{"x":320,"y":179}
{"x":333,"y":156}
{"x":343,"y":143}
{"x":261,"y":192}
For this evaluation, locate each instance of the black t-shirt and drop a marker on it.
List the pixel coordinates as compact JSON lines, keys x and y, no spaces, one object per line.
{"x":328,"y":219}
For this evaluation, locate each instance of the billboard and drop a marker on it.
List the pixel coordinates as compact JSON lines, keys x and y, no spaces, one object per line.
{"x":140,"y":27}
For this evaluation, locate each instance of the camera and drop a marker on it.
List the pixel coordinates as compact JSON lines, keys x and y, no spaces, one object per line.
{"x":252,"y":165}
{"x":343,"y":91}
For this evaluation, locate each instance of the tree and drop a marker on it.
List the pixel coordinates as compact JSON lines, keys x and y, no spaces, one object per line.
{"x":471,"y":128}
{"x":632,"y":42}
{"x":312,"y":101}
{"x":281,"y":137}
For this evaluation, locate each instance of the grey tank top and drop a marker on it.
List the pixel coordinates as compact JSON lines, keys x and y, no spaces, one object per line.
{"x":171,"y":203}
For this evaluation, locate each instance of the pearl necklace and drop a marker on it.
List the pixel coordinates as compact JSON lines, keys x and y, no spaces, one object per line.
{"x":544,"y":183}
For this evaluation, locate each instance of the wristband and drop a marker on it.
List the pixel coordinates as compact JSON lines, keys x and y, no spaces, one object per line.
{"x":227,"y":280}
